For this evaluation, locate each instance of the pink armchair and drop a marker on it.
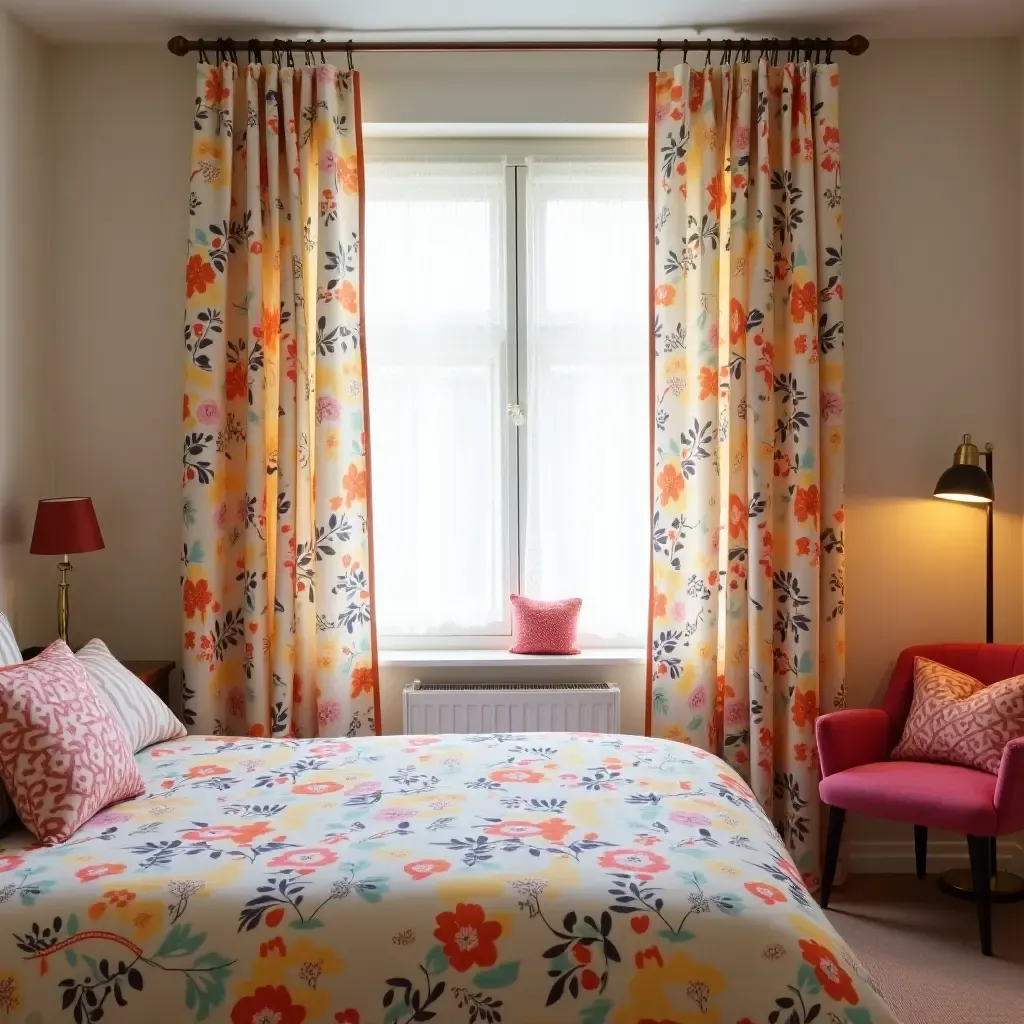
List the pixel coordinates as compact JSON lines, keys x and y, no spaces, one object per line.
{"x":857,"y":775}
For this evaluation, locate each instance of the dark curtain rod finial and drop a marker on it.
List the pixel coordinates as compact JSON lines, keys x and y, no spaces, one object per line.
{"x":855,"y":45}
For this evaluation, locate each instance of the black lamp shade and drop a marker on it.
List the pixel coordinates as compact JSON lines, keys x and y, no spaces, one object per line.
{"x":965,"y":483}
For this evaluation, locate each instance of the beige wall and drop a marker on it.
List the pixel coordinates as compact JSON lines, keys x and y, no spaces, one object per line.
{"x":932,"y":166}
{"x":26,"y":331}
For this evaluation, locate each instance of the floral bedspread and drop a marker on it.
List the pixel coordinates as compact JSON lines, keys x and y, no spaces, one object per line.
{"x":526,"y":879}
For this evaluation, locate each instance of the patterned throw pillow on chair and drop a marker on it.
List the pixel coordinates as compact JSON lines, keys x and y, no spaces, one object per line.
{"x":63,"y":756}
{"x":957,"y":719}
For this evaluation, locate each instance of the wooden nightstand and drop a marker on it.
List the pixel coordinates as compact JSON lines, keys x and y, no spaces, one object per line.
{"x":155,"y":674}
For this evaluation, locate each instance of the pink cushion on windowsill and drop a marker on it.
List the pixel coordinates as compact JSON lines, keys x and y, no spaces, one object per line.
{"x":544,"y":627}
{"x":63,"y":756}
{"x":956,"y":719}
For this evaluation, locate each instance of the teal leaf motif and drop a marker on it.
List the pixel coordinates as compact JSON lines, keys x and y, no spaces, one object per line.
{"x":307,"y":926}
{"x":596,"y":1013}
{"x":670,"y":936}
{"x":437,"y":962}
{"x":857,"y":1015}
{"x":498,"y":977}
{"x":806,"y":980}
{"x":180,"y":942}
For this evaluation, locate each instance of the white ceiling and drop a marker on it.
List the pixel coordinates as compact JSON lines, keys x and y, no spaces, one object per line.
{"x":155,"y":20}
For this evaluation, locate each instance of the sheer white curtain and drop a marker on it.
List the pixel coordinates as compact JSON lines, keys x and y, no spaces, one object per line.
{"x":436,"y":348}
{"x":587,"y":409}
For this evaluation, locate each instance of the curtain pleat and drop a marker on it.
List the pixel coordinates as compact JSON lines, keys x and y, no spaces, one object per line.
{"x":276,"y":564}
{"x":747,"y":639}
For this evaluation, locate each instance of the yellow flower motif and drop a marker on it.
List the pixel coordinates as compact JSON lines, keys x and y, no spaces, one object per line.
{"x":679,"y":989}
{"x":144,"y":917}
{"x":301,"y":968}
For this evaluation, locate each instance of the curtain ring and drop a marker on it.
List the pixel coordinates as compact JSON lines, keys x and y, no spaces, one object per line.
{"x":686,"y":49}
{"x":275,"y":53}
{"x":828,"y":50}
{"x":201,"y":46}
{"x":306,"y":52}
{"x":707,"y":59}
{"x":351,"y":65}
{"x":291,"y":57}
{"x":234,"y":52}
{"x":657,"y":66}
{"x":255,"y":56}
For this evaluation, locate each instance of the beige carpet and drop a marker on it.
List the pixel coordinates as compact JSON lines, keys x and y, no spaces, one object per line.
{"x":922,"y":950}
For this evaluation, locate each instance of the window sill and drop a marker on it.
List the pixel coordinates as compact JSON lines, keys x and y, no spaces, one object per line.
{"x":594,"y":656}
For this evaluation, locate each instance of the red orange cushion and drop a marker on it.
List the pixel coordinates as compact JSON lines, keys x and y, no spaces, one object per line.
{"x":63,"y":757}
{"x":956,"y":719}
{"x":544,"y":627}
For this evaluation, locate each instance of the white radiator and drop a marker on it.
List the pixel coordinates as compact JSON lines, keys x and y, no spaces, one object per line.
{"x":510,"y":707}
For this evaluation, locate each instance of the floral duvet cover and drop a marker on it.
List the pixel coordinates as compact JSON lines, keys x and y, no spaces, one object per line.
{"x":513,"y":878}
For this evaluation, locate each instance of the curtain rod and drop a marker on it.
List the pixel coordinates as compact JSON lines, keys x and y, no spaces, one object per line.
{"x":855,"y":45}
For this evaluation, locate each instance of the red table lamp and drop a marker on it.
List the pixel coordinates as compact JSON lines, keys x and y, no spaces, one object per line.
{"x":65,"y":526}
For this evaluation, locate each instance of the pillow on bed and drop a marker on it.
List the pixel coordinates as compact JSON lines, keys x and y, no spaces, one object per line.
{"x":956,"y":719}
{"x":63,"y":756}
{"x":10,"y":654}
{"x":145,"y":718}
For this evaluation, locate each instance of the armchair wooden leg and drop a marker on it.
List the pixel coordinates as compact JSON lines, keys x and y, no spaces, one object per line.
{"x":921,"y":849}
{"x":836,"y":819}
{"x":980,"y":848}
{"x":994,"y":859}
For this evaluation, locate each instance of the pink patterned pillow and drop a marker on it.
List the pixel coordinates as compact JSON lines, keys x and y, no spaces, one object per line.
{"x":544,"y":627}
{"x":63,"y":757}
{"x":956,"y":719}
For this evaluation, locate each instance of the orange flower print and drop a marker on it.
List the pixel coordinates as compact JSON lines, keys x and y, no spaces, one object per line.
{"x":805,"y":707}
{"x":803,"y":302}
{"x":803,"y":546}
{"x":664,"y":295}
{"x":206,"y":771}
{"x":216,"y":90}
{"x":737,"y":518}
{"x":363,"y":680}
{"x":94,"y":871}
{"x":425,"y":868}
{"x":834,"y":980}
{"x":270,"y":323}
{"x":660,"y":605}
{"x":641,"y":863}
{"x":708,"y":383}
{"x":317,"y":788}
{"x":716,"y":190}
{"x":198,"y":274}
{"x":800,"y":751}
{"x":196,"y":598}
{"x":697,"y":84}
{"x":10,"y":861}
{"x":516,"y":775}
{"x":347,"y":297}
{"x":765,"y":893}
{"x":554,"y":830}
{"x":348,"y":176}
{"x":806,"y":504}
{"x":830,"y":161}
{"x":185,"y":410}
{"x":235,"y":381}
{"x":303,"y":861}
{"x":354,"y":482}
{"x":120,"y":897}
{"x":269,"y":1003}
{"x":467,"y":937}
{"x":670,"y":483}
{"x":737,"y":322}
{"x":240,"y":835}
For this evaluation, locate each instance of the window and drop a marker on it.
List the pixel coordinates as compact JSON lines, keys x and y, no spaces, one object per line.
{"x":491,"y":285}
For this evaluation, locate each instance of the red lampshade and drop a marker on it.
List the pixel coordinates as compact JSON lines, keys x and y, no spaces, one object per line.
{"x":65,"y":526}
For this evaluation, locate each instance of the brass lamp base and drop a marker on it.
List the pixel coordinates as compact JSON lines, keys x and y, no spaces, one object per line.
{"x":1007,"y":887}
{"x":63,"y":603}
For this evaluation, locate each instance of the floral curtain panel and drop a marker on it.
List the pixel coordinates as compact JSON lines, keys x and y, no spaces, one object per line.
{"x":277,"y":564}
{"x":747,"y":631}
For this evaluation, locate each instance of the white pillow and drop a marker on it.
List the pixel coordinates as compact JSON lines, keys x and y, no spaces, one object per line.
{"x":146,"y":719}
{"x":10,"y":654}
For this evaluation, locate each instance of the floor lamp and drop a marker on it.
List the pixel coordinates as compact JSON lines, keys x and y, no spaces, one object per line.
{"x":967,"y":481}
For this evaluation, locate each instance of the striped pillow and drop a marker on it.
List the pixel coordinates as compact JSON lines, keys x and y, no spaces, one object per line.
{"x":10,"y":654}
{"x":146,"y":719}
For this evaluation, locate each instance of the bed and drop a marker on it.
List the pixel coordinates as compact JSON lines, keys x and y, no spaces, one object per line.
{"x":510,"y":878}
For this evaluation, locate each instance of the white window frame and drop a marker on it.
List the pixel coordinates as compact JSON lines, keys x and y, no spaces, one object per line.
{"x":515,"y":151}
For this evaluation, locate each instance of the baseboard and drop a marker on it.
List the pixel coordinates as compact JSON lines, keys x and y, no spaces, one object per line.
{"x":871,"y":857}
